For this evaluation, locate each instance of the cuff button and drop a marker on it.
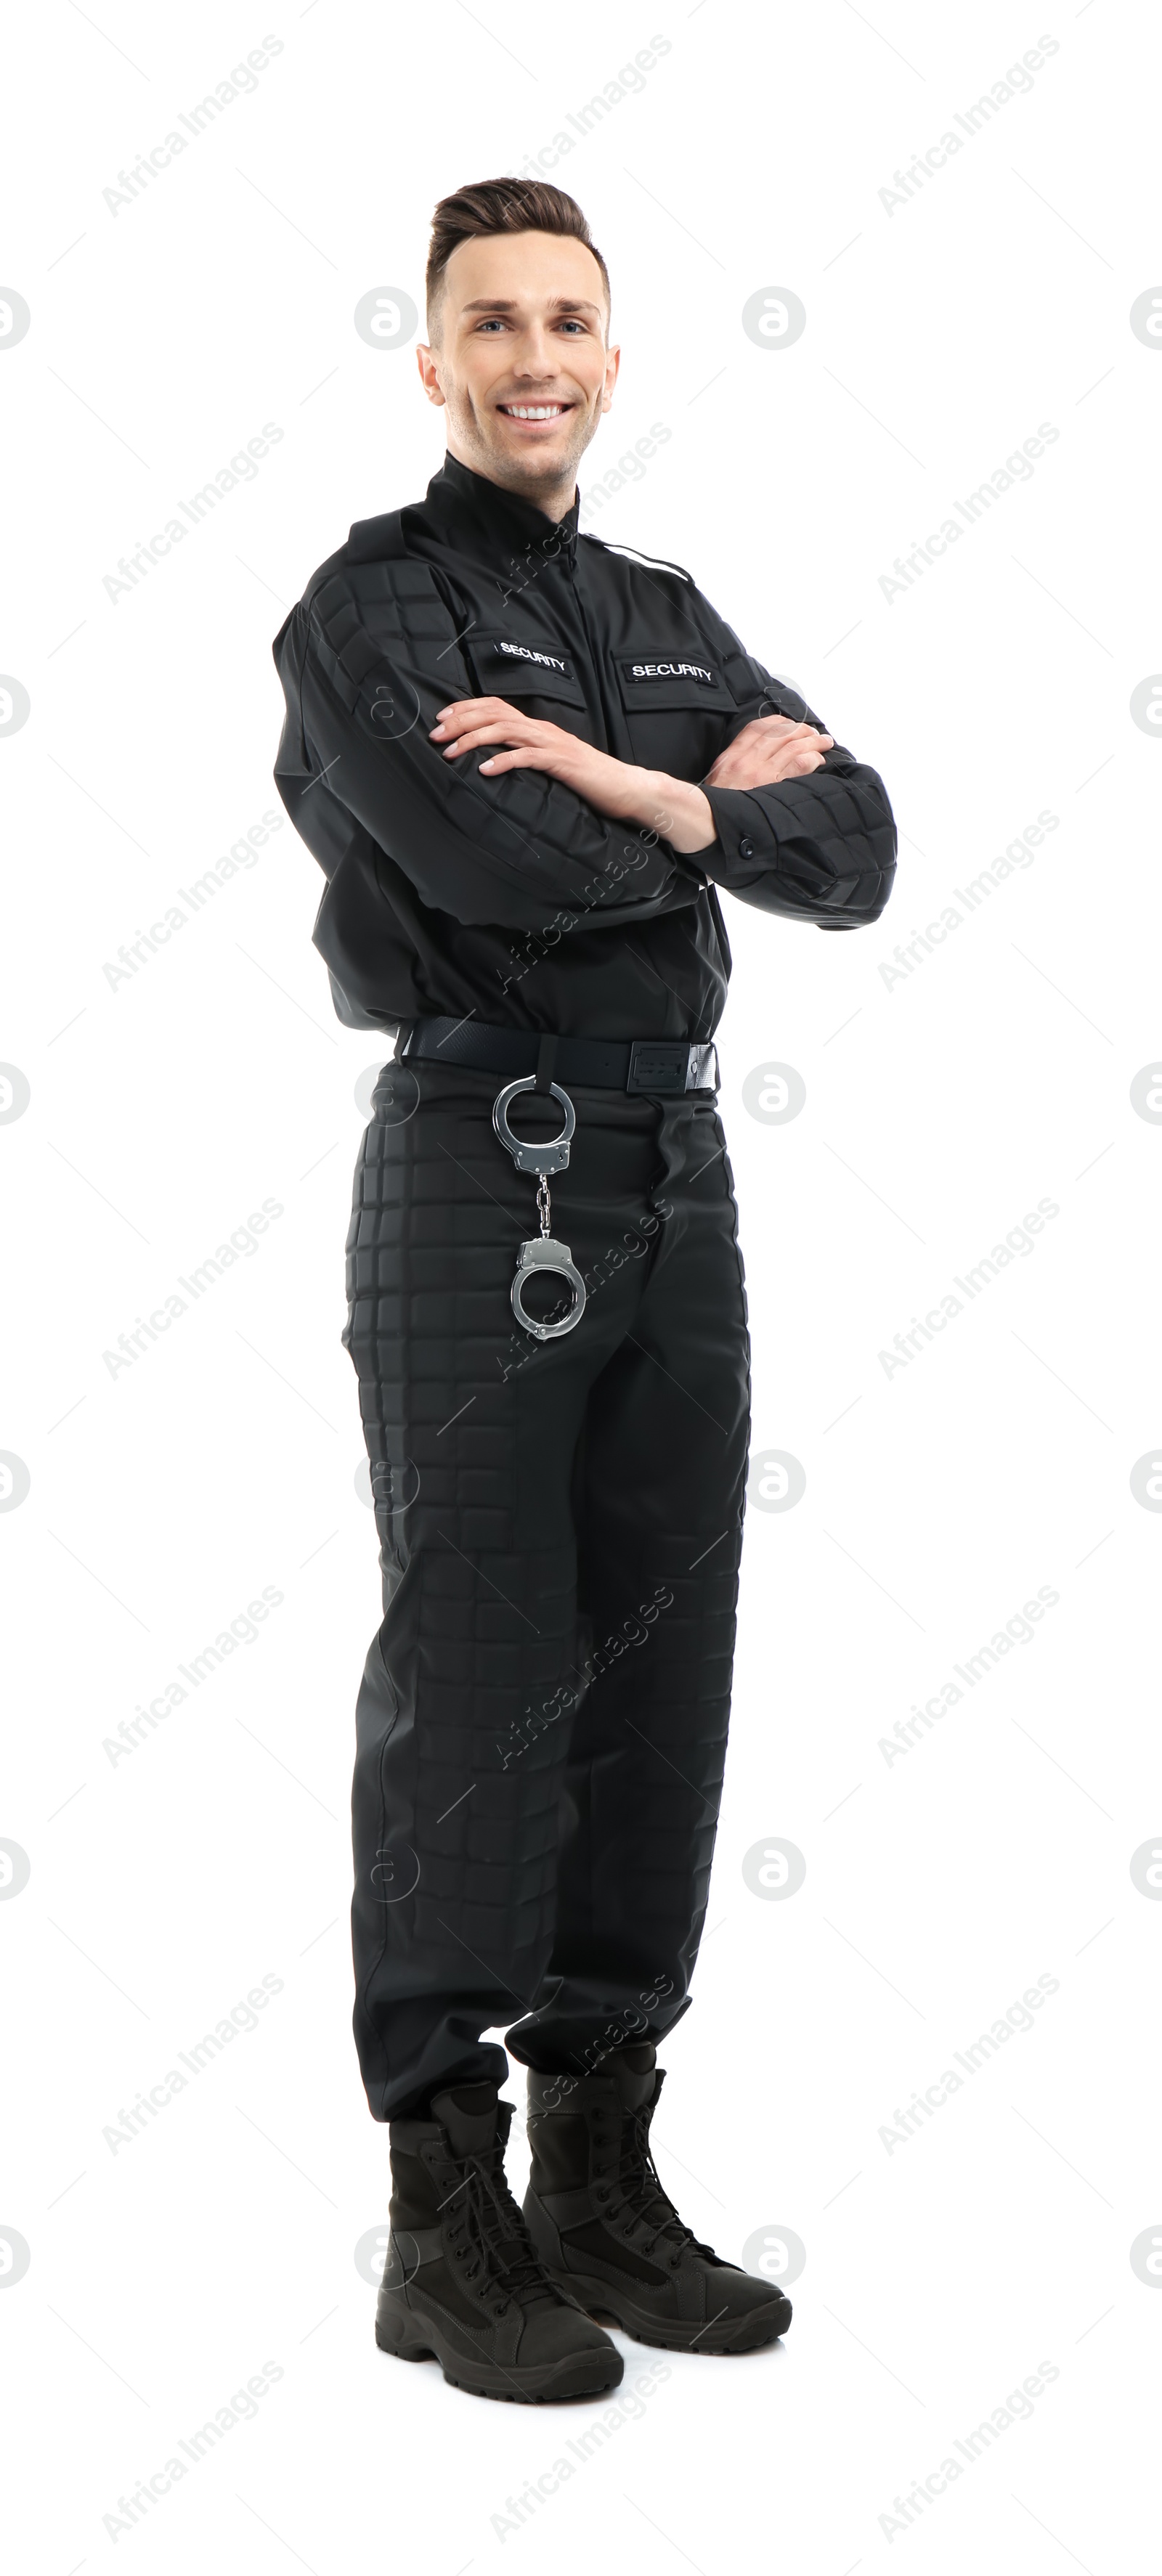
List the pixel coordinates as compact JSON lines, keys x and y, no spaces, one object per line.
{"x":746,"y":849}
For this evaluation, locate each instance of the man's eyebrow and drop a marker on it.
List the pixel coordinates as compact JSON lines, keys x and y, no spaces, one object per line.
{"x":508,"y":304}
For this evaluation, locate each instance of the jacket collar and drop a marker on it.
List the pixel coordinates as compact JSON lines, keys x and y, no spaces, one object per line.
{"x":481,"y":518}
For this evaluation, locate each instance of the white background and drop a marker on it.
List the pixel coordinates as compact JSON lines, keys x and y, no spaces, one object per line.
{"x":939,"y":1109}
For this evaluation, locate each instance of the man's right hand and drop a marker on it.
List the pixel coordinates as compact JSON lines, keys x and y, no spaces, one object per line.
{"x":767,"y":750}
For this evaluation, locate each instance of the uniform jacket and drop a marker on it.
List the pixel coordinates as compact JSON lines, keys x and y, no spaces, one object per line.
{"x":511,"y":897}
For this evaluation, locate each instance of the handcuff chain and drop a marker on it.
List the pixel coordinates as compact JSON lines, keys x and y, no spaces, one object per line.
{"x":543,"y":1206}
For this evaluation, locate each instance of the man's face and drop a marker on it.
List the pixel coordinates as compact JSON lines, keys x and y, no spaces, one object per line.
{"x":521,"y":361}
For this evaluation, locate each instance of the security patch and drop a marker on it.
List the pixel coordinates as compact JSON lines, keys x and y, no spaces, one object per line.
{"x":501,"y":649}
{"x":699,"y":671}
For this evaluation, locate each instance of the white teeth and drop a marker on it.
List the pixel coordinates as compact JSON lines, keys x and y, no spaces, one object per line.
{"x":533,"y":411}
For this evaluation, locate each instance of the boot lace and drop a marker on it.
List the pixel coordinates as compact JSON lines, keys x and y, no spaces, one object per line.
{"x":640,"y":2193}
{"x":498,"y":2232}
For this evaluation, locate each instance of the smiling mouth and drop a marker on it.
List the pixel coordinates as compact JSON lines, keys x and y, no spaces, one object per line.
{"x":534,"y":411}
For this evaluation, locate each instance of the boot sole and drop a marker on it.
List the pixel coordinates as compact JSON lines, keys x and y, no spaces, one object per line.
{"x":606,"y":2306}
{"x":586,"y":2374}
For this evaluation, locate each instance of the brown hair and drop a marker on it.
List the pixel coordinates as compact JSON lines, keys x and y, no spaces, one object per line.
{"x":501,"y":206}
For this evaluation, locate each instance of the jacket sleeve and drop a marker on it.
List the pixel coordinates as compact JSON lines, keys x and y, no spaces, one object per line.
{"x":365,"y":669}
{"x":821,"y":848}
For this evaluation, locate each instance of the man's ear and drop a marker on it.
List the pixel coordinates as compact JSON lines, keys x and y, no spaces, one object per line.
{"x":426,"y":362}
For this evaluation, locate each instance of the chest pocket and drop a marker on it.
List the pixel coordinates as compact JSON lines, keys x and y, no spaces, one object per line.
{"x":679,"y":708}
{"x":511,"y":666}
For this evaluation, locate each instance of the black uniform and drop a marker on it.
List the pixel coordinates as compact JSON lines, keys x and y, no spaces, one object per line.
{"x":542,"y":1722}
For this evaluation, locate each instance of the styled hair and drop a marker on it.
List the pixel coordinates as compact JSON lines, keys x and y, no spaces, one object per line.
{"x":501,"y":206}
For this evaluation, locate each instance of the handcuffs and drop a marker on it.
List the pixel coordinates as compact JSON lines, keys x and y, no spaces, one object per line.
{"x":543,"y":1251}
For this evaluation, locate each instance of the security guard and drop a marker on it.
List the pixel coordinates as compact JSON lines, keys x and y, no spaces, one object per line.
{"x":526,"y":761}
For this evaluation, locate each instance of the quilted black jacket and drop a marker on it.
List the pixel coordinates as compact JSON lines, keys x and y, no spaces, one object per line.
{"x":512,"y":897}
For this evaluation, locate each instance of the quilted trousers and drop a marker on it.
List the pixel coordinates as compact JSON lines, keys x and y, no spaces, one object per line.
{"x":541,"y":1725}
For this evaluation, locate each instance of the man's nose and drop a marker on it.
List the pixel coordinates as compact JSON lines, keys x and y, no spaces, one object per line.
{"x":536,"y":356}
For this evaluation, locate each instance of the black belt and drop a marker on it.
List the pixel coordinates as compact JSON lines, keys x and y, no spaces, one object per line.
{"x":615,"y":1064}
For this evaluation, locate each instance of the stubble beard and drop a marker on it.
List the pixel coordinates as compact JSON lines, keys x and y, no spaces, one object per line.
{"x":531,"y":475}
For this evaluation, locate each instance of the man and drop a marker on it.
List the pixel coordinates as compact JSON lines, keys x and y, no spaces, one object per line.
{"x":525,"y":762}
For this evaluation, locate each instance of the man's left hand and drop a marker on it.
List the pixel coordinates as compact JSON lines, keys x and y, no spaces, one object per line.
{"x":768,"y":750}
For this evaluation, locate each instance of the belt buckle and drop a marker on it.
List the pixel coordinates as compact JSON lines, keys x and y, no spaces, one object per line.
{"x":659,"y":1064}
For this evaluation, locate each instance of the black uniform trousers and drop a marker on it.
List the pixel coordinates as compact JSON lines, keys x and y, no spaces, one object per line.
{"x":542,"y":1721}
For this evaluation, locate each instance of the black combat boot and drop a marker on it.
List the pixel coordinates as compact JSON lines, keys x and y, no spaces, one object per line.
{"x":463,"y":2283}
{"x":602,"y":2223}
